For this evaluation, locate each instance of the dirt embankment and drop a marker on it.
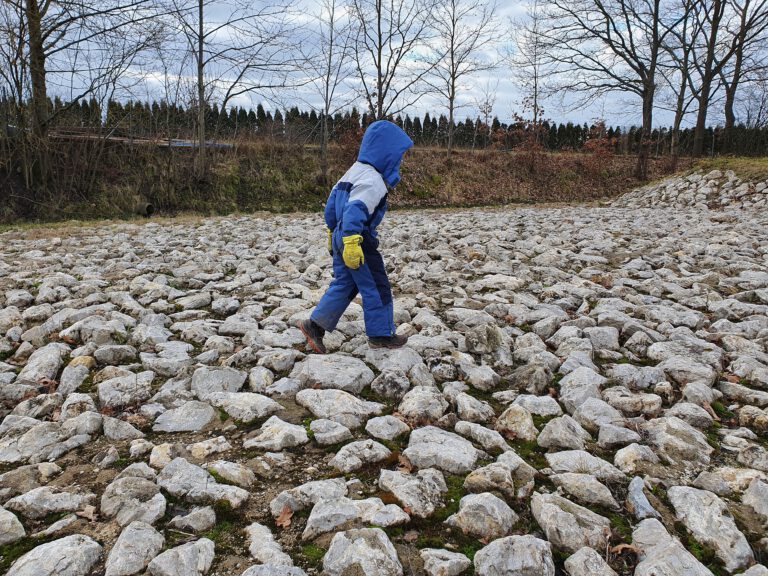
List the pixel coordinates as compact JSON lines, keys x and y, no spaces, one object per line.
{"x":114,"y":180}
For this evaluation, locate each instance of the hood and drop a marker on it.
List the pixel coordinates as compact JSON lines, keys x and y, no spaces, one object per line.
{"x":384,"y":144}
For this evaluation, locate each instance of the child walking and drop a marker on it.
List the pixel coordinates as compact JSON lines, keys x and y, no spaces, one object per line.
{"x":355,"y":208}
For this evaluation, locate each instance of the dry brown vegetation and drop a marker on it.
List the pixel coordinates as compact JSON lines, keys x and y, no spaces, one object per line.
{"x":95,"y":181}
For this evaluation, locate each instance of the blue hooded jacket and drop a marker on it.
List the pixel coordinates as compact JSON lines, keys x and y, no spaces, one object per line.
{"x":358,"y":202}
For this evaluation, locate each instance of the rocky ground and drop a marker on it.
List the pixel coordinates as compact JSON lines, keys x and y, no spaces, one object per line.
{"x":584,"y":392}
{"x":715,"y":189}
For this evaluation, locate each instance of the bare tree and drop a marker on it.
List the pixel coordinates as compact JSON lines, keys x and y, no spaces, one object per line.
{"x":238,"y":47}
{"x":331,"y":65}
{"x":78,"y":45}
{"x":484,"y":103}
{"x":748,"y":31}
{"x":463,"y":29}
{"x":679,"y":46}
{"x":753,"y":105}
{"x":390,"y":35}
{"x":730,"y":29}
{"x":527,"y":61}
{"x":609,"y":46}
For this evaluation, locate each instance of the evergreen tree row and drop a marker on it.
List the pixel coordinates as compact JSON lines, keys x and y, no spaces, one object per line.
{"x":163,"y":120}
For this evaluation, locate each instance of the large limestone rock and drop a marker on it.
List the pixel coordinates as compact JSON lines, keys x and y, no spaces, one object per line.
{"x":334,"y":371}
{"x":708,"y":520}
{"x":194,"y":484}
{"x":11,"y":529}
{"x":662,"y":554}
{"x":191,"y":559}
{"x":676,"y":441}
{"x":134,"y":549}
{"x":191,"y":416}
{"x":483,"y":516}
{"x":420,"y":494}
{"x":355,"y":455}
{"x":133,"y":498}
{"x":339,"y":406}
{"x":431,"y":447}
{"x":588,"y":562}
{"x":74,"y":555}
{"x":367,"y":552}
{"x":569,"y":526}
{"x":515,"y":556}
{"x":277,"y":435}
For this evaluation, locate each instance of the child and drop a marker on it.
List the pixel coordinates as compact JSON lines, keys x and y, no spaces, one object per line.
{"x":355,"y":208}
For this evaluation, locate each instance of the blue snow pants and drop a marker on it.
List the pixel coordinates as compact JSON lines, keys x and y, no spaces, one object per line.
{"x":370,"y":281}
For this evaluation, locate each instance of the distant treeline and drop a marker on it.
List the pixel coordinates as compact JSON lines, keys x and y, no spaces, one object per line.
{"x":161,"y":120}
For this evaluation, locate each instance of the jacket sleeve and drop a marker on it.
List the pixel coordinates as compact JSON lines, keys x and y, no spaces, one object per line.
{"x":330,"y":210}
{"x":363,"y":199}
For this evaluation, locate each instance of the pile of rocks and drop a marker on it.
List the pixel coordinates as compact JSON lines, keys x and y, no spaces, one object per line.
{"x":713,"y":190}
{"x":584,"y":390}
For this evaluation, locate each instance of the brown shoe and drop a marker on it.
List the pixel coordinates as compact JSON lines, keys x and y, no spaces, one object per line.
{"x":396,"y":341}
{"x":314,"y":335}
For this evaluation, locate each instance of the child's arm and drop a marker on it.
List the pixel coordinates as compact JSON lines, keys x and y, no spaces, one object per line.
{"x":363,"y":199}
{"x":330,"y":210}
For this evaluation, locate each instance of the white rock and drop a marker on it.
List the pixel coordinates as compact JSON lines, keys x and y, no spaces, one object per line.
{"x":191,"y":559}
{"x":515,"y":556}
{"x":74,"y":555}
{"x":367,"y":552}
{"x":276,"y":435}
{"x":708,"y":520}
{"x":431,"y":447}
{"x":136,"y":546}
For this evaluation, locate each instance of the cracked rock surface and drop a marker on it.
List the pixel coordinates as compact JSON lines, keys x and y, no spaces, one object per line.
{"x":584,"y":391}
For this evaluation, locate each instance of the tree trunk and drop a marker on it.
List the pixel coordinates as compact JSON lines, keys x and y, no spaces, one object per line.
{"x":39,"y":93}
{"x":450,"y":126}
{"x":706,"y":81}
{"x":641,"y":170}
{"x":730,"y":101}
{"x":701,"y":118}
{"x":324,"y":148}
{"x":200,"y":89}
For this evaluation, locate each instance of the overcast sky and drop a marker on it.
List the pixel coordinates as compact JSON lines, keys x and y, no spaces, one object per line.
{"x":616,"y":109}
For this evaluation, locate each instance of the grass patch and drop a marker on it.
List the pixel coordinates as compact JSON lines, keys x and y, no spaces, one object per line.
{"x":12,"y":552}
{"x":621,"y":526}
{"x":540,"y":421}
{"x":218,"y":532}
{"x":121,"y":463}
{"x":306,"y":422}
{"x":531,"y":452}
{"x":452,"y":498}
{"x":87,"y":386}
{"x":313,"y":555}
{"x":221,"y":480}
{"x":702,"y":553}
{"x":54,"y":517}
{"x":224,"y":510}
{"x":722,"y":412}
{"x":713,"y":438}
{"x":745,"y":168}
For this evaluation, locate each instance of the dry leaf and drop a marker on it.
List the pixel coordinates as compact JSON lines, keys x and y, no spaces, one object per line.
{"x":284,"y":520}
{"x":89,"y":513}
{"x":404,"y":465}
{"x":732,"y":378}
{"x":411,"y":536}
{"x":625,"y":548}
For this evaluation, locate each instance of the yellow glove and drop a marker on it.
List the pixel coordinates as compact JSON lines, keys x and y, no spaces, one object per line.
{"x":353,"y":252}
{"x":330,"y":240}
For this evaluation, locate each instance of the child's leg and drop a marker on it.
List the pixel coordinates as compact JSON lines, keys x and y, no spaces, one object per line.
{"x":337,"y":298}
{"x":373,"y":284}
